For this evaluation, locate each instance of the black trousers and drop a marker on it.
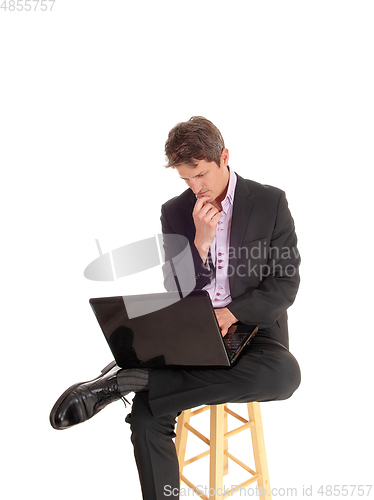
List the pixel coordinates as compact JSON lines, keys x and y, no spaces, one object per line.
{"x":267,"y":371}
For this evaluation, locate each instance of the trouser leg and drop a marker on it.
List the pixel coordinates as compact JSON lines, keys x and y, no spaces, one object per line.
{"x":266,"y":372}
{"x":154,"y":450}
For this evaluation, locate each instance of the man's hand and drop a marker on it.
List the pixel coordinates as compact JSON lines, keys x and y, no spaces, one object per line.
{"x":225,"y":319}
{"x":206,"y":218}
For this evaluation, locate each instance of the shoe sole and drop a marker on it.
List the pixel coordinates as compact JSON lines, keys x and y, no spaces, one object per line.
{"x":68,"y":391}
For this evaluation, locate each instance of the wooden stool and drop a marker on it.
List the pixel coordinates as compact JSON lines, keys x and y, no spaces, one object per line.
{"x":218,"y":449}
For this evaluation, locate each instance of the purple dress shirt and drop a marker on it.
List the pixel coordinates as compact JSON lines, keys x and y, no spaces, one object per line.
{"x":219,"y":288}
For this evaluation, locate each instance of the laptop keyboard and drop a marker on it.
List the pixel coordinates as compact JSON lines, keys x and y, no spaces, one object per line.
{"x":232,"y":342}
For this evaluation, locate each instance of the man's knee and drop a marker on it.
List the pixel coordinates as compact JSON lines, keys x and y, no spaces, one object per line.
{"x":144,"y":424}
{"x":141,"y":416}
{"x":290,"y":377}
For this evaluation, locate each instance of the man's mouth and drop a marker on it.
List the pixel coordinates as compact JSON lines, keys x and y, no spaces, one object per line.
{"x":202,"y":193}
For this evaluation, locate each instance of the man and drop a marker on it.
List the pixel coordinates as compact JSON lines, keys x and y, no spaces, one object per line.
{"x":243,"y":246}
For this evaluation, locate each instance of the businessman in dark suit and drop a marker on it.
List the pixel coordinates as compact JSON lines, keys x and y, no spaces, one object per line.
{"x":244,"y":252}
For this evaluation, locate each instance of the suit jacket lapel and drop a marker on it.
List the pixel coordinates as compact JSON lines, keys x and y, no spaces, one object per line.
{"x":240,"y":217}
{"x":241,"y":212}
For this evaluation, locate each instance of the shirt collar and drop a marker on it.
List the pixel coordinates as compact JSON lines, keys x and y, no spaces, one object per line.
{"x":229,"y":198}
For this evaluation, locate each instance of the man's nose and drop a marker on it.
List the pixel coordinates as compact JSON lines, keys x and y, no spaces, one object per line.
{"x":196,"y":185}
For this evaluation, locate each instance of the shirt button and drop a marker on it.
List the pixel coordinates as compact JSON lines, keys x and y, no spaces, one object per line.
{"x":220,"y":288}
{"x":218,"y":294}
{"x":220,"y":261}
{"x":215,"y":300}
{"x":220,"y":267}
{"x":219,"y":254}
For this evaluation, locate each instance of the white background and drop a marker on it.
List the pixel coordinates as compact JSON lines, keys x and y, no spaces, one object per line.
{"x":88,"y":94}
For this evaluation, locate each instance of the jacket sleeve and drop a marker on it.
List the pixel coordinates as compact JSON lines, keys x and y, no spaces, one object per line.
{"x":271,"y":284}
{"x":182,"y":260}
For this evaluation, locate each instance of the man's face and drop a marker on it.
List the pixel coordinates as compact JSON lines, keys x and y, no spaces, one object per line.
{"x":207,"y":179}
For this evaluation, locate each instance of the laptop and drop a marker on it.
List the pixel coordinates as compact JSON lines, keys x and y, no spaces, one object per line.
{"x":163,"y":329}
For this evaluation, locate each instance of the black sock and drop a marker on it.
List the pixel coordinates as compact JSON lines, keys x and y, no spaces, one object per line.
{"x":132,"y":380}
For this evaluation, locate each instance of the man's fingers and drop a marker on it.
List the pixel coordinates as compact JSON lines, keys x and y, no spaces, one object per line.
{"x":225,"y":319}
{"x":205,"y":209}
{"x":200,"y":202}
{"x":212,"y":220}
{"x":207,"y":212}
{"x":210,"y":213}
{"x":224,"y":329}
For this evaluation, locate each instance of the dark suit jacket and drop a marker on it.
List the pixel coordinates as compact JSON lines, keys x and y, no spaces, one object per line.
{"x":264,"y":261}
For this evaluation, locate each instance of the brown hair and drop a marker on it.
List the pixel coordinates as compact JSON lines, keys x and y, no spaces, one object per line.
{"x":192,"y":141}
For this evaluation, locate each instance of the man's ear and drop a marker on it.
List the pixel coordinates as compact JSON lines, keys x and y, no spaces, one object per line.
{"x":224,"y":157}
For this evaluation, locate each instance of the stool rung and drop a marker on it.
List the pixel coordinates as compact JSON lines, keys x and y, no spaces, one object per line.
{"x":199,"y":410}
{"x":237,"y":488}
{"x":191,"y":485}
{"x":197,"y":434}
{"x":196,"y":457}
{"x":239,"y":429}
{"x":239,"y":462}
{"x":232,"y":413}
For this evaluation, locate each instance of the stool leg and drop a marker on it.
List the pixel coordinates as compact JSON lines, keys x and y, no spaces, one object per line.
{"x":181,"y":439}
{"x":216,"y":451}
{"x":259,"y":451}
{"x":226,"y":444}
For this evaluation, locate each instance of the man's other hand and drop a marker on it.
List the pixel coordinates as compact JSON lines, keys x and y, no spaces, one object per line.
{"x":225,"y":319}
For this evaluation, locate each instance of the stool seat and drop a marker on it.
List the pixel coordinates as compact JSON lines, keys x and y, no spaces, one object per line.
{"x":218,"y":449}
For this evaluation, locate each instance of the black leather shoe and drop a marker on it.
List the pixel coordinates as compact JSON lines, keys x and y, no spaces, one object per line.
{"x":84,"y":400}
